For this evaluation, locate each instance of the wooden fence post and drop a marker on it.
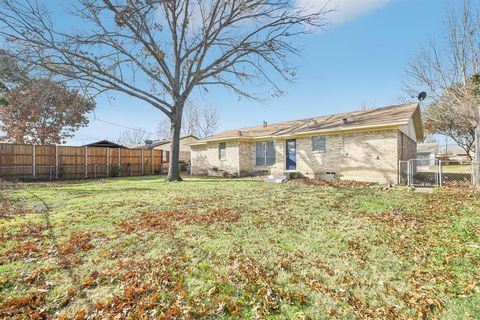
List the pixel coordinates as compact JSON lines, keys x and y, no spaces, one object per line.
{"x":161,"y":161}
{"x":143,"y":165}
{"x":56,"y":161}
{"x":34,"y":164}
{"x":86,"y":162}
{"x":108,"y":162}
{"x":152,"y":153}
{"x":119,"y":162}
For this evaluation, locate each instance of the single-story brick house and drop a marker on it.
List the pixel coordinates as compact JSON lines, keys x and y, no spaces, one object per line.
{"x":364,"y":146}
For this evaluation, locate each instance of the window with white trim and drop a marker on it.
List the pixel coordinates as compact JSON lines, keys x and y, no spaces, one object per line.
{"x":319,"y":144}
{"x":222,"y":151}
{"x":265,"y":153}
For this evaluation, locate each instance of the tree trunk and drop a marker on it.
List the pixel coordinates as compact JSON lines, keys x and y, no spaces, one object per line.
{"x":175,"y":131}
{"x":476,"y":163}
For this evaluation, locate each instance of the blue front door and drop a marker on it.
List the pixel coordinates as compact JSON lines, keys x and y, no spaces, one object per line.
{"x":291,"y":154}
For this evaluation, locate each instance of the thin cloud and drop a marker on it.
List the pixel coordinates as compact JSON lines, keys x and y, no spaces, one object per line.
{"x":344,"y":9}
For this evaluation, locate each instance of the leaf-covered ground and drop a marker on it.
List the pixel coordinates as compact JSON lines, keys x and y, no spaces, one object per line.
{"x":143,"y":249}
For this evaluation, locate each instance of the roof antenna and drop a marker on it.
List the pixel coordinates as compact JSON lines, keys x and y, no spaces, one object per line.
{"x":422,"y":96}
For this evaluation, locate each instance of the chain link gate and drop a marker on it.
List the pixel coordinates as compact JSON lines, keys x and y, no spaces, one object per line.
{"x":429,"y":173}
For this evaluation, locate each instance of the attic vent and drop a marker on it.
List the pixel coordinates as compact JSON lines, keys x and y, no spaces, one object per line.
{"x":345,"y":120}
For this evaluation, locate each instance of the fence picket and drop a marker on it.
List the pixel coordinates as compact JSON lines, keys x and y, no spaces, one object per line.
{"x":19,"y":161}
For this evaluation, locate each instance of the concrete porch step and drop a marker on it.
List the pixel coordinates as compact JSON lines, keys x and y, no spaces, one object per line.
{"x":276,"y":179}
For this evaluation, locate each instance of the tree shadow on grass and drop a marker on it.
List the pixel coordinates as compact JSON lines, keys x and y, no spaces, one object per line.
{"x":62,"y":259}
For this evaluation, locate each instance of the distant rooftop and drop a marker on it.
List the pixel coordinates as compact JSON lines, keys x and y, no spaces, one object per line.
{"x":427,"y":147}
{"x":157,"y":143}
{"x":104,"y":144}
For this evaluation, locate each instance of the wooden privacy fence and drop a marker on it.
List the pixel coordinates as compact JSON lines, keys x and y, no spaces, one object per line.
{"x":21,"y":161}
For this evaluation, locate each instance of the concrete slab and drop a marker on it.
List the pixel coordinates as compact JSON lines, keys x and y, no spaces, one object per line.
{"x":424,"y":190}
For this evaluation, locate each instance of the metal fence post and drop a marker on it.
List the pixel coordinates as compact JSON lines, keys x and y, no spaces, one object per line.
{"x":409,"y":173}
{"x":440,"y":173}
{"x":474,"y":171}
{"x":398,"y":171}
{"x":34,"y":169}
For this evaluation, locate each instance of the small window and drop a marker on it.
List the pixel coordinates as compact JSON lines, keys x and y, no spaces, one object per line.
{"x":222,"y":151}
{"x":265,"y":153}
{"x":319,"y":144}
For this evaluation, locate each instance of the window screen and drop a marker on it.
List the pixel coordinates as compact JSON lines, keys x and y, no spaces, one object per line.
{"x":319,"y":144}
{"x":265,"y":153}
{"x":222,"y":151}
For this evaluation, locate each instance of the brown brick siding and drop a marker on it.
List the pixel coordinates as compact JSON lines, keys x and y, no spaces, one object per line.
{"x":407,"y":148}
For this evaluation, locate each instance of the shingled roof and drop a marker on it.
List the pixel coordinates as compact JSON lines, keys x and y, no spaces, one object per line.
{"x":397,"y":115}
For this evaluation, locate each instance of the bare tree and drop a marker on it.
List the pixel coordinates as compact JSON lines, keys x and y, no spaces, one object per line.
{"x":11,"y":73}
{"x":446,"y":70}
{"x":132,"y":137}
{"x":198,"y":121}
{"x":174,"y":47}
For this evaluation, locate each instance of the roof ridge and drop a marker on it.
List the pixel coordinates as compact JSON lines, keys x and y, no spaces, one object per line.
{"x":323,"y":122}
{"x":329,"y":115}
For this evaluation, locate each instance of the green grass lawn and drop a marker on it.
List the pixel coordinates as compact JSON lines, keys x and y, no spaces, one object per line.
{"x":140,"y":248}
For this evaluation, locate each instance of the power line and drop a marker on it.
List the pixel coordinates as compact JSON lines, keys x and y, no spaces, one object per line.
{"x":121,"y":126}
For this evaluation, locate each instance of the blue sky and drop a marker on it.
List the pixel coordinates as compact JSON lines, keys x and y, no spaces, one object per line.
{"x":359,"y":59}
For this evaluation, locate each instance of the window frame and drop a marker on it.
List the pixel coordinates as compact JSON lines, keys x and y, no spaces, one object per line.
{"x":222,"y":148}
{"x":314,"y":144}
{"x":268,"y":159}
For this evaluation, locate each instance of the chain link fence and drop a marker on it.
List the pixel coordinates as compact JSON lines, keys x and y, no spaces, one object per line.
{"x":421,"y":173}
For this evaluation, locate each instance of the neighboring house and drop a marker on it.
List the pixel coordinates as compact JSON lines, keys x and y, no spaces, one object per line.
{"x":457,"y":154}
{"x":427,"y":154}
{"x":185,"y":150}
{"x":105,"y":144}
{"x":361,"y":146}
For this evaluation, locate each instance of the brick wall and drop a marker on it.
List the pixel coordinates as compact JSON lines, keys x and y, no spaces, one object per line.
{"x":185,"y":156}
{"x":206,"y":156}
{"x":407,"y":148}
{"x":364,"y":156}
